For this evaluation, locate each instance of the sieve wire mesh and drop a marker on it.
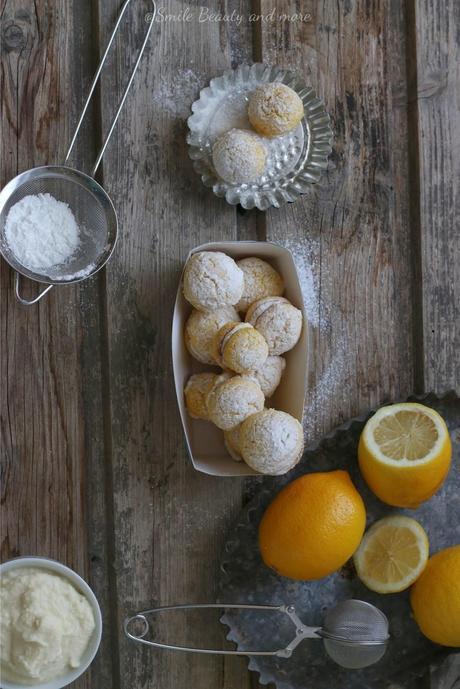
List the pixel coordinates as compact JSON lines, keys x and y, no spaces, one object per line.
{"x":91,"y":207}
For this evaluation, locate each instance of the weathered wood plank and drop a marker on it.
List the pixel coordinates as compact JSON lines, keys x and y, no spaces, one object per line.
{"x":50,"y":358}
{"x":89,"y":404}
{"x":352,"y":229}
{"x":356,"y":227}
{"x":437,"y":26}
{"x":169,"y":520}
{"x":437,"y":111}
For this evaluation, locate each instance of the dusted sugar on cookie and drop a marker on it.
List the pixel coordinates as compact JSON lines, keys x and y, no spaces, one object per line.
{"x":275,"y":109}
{"x":271,"y":442}
{"x":260,"y":280}
{"x":232,"y":443}
{"x":278,"y":321}
{"x":233,"y":400}
{"x":239,"y":347}
{"x":196,"y":391}
{"x":269,"y":375}
{"x":212,"y":280}
{"x":239,"y":157}
{"x":201,"y":328}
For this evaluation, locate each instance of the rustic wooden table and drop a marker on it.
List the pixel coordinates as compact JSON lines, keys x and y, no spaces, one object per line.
{"x":94,"y":470}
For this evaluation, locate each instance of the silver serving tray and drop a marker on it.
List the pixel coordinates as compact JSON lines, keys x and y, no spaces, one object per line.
{"x":245,"y":579}
{"x":294,"y":161}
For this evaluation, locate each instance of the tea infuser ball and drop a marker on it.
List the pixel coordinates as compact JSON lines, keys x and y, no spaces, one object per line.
{"x":355,"y":633}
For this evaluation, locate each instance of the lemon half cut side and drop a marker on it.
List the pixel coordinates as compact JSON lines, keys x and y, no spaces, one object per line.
{"x":404,"y":453}
{"x":392,"y":554}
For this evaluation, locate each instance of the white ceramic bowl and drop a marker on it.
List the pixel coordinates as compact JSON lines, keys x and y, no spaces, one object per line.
{"x":81,"y":586}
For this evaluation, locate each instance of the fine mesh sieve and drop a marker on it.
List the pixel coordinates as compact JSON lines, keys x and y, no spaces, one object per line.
{"x":355,"y":633}
{"x":93,"y":211}
{"x":89,"y":202}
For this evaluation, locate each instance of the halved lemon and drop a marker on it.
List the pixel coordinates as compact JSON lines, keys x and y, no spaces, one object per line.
{"x":404,"y":453}
{"x":392,"y":554}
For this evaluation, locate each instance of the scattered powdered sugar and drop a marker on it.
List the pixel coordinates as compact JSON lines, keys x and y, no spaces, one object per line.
{"x":78,"y":275}
{"x":41,"y":232}
{"x":328,"y":386}
{"x":303,"y":253}
{"x":177,"y":95}
{"x":331,"y":381}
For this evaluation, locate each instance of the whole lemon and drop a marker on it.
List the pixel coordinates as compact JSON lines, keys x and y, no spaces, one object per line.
{"x":313,"y":526}
{"x":435,"y":598}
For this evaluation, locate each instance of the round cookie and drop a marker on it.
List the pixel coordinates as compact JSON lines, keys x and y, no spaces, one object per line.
{"x":196,"y":391}
{"x":260,"y":280}
{"x":239,"y":157}
{"x":212,"y":280}
{"x":233,"y":400}
{"x":271,"y":442}
{"x":278,"y":321}
{"x":269,"y":375}
{"x":239,"y":347}
{"x":201,"y":328}
{"x":275,"y":109}
{"x":232,"y":443}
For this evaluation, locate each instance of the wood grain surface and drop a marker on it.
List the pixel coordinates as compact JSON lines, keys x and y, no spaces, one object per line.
{"x":49,"y":358}
{"x":437,"y":27}
{"x":349,"y":226}
{"x":93,"y":465}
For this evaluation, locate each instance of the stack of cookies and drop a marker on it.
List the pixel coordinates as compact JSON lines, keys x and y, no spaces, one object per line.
{"x":240,"y":156}
{"x":241,"y":323}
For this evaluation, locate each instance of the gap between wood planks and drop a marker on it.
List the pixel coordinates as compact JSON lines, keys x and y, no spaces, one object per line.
{"x":414,"y":196}
{"x":257,"y":54}
{"x":111,"y":577}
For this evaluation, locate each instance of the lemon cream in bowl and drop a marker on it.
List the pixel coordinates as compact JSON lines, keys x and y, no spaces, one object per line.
{"x":50,"y":625}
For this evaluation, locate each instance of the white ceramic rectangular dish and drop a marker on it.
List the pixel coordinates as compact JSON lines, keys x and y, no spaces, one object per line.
{"x":204,"y":441}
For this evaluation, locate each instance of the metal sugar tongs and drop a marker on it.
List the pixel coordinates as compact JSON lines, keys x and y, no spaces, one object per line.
{"x":355,"y":633}
{"x":90,"y":203}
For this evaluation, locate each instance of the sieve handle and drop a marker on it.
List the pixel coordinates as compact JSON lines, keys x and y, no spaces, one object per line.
{"x":302,"y":631}
{"x":23,"y":300}
{"x":151,"y":19}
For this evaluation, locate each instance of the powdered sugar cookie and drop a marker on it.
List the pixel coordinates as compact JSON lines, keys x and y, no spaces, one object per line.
{"x":278,"y":321}
{"x":260,"y":280}
{"x":271,"y":441}
{"x":196,"y":391}
{"x":201,"y":328}
{"x":269,"y":374}
{"x":212,"y":280}
{"x":233,"y":400}
{"x":232,"y":443}
{"x":239,"y":156}
{"x":239,"y":347}
{"x":275,"y":109}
